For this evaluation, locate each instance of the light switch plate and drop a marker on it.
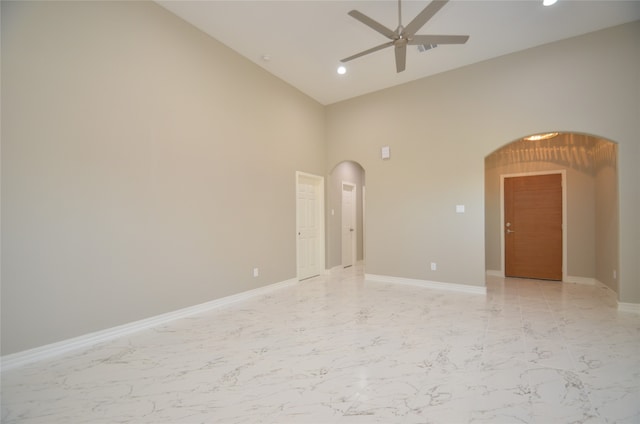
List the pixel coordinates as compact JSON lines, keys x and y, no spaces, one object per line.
{"x":459,"y":208}
{"x":385,"y":152}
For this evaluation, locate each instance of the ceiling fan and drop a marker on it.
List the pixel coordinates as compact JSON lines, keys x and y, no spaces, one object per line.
{"x":404,"y":36}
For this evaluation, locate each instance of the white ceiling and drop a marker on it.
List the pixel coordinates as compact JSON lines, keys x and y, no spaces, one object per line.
{"x":306,"y":39}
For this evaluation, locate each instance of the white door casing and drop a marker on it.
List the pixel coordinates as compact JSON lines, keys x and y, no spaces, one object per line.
{"x":349,"y":233}
{"x":364,"y":221}
{"x":309,"y":225}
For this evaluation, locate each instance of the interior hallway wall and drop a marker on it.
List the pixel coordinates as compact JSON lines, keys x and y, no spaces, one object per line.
{"x":607,"y":211}
{"x":145,"y":168}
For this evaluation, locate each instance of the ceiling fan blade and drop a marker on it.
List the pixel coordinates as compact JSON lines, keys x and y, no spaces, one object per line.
{"x":372,"y":24}
{"x":401,"y":56}
{"x":438,"y":39}
{"x":371,"y":50}
{"x":422,"y":18}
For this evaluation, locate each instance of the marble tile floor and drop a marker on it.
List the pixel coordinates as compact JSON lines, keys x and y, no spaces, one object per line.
{"x":339,"y":349}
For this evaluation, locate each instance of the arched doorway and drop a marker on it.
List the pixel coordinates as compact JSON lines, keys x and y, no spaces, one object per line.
{"x":590,"y":209}
{"x":345,"y":215}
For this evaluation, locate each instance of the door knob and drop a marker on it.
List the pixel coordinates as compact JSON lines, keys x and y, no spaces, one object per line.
{"x":510,"y":231}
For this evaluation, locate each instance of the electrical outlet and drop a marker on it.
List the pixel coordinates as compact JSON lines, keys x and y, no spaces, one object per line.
{"x":434,"y":266}
{"x":256,"y":272}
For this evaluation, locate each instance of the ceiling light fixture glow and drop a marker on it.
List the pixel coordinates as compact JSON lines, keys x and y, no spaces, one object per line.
{"x":342,"y":70}
{"x":537,"y":137}
{"x":549,"y":2}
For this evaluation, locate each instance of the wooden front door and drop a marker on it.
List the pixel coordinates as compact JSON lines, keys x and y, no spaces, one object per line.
{"x":533,"y":226}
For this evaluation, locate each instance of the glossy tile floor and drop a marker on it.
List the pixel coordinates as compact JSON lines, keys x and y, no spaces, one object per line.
{"x":343,"y":350}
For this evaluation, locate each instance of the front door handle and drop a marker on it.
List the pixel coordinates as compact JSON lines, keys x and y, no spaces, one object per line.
{"x":510,"y":231}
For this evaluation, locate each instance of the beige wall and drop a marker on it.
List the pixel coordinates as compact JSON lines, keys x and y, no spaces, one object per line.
{"x":441,"y":128}
{"x":145,"y":168}
{"x":607,"y":230}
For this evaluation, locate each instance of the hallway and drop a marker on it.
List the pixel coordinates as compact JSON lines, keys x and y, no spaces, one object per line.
{"x":339,"y":349}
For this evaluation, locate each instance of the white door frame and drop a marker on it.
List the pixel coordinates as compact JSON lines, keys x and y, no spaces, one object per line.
{"x":563,"y":172}
{"x":320,"y":245}
{"x":364,"y":228}
{"x":354,"y":221}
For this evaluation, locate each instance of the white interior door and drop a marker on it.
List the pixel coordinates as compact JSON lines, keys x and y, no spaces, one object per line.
{"x":309,"y":225}
{"x":348,"y":224}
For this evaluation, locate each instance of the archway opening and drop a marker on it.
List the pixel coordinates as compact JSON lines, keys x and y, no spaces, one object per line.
{"x":591,"y":210}
{"x":345,"y":215}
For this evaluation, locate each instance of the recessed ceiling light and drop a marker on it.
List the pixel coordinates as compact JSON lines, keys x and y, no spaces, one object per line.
{"x":342,"y":70}
{"x":537,"y":137}
{"x":548,"y":2}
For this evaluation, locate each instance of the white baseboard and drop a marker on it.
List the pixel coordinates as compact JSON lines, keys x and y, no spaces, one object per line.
{"x":333,"y":270}
{"x":633,"y":308}
{"x":18,"y":359}
{"x":567,"y":279}
{"x":581,"y":280}
{"x":427,"y":284}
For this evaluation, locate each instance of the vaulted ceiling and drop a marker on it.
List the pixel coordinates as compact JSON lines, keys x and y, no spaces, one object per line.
{"x":302,"y":42}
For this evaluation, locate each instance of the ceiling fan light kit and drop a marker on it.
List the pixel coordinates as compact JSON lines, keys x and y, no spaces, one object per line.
{"x":404,"y":36}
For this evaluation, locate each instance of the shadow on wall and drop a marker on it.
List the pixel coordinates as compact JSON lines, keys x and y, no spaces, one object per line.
{"x":353,"y":174}
{"x":592,"y":200}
